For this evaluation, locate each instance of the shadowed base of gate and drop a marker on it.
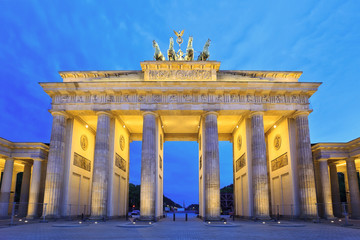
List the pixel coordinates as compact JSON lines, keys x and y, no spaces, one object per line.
{"x":137,"y":224}
{"x":71,"y":225}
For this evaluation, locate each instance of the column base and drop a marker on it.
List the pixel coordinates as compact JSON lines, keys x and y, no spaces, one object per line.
{"x":54,"y":217}
{"x":98,"y":218}
{"x":261,"y":218}
{"x":147,"y":219}
{"x":213,"y":219}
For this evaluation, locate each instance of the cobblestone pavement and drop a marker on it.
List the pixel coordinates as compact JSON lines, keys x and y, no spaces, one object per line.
{"x":168,"y":229}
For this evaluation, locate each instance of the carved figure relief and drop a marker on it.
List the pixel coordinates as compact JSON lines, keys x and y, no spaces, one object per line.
{"x":187,"y":97}
{"x":120,"y":162}
{"x":219,"y":98}
{"x":141,"y":98}
{"x":82,"y":162}
{"x":279,"y":162}
{"x":239,"y":142}
{"x":240,"y":162}
{"x":277,"y":142}
{"x":172,"y":98}
{"x":160,"y":162}
{"x":161,"y":142}
{"x":84,"y":142}
{"x":204,"y":98}
{"x":122,"y":143}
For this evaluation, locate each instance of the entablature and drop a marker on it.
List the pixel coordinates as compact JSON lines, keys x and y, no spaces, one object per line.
{"x":28,"y":150}
{"x":336,"y":150}
{"x":227,"y":95}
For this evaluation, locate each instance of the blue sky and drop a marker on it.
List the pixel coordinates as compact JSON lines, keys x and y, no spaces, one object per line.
{"x":40,"y":38}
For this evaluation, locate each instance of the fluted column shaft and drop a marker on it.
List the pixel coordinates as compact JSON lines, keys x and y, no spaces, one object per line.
{"x":55,"y":166}
{"x":335,"y":190}
{"x":353,"y":188}
{"x":6,"y":187}
{"x":100,"y":171}
{"x":148,"y":167}
{"x":211,"y":167}
{"x":25,"y":187}
{"x":305,"y":167}
{"x":34,"y":190}
{"x":326,"y":189}
{"x":259,"y":167}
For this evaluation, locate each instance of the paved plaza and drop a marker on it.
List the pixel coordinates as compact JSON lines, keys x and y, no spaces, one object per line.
{"x":180,"y":229}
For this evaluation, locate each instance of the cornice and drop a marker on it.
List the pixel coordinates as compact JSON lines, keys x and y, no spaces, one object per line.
{"x":263,"y":74}
{"x":179,"y":65}
{"x":252,"y":87}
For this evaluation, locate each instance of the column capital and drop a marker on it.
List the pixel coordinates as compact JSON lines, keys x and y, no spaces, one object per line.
{"x":332,"y":164}
{"x":59,"y":113}
{"x":350,"y":159}
{"x":300,"y":113}
{"x":104,"y":113}
{"x":10,"y":159}
{"x":151,"y":113}
{"x":209,"y":113}
{"x":251,"y":114}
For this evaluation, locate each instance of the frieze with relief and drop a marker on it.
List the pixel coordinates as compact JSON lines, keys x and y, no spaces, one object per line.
{"x":82,"y":162}
{"x":120,"y":162}
{"x":155,"y":75}
{"x":279,"y":162}
{"x":181,"y":98}
{"x":240,"y":162}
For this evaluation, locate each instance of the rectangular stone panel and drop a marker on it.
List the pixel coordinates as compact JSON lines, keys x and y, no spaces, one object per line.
{"x":279,"y":162}
{"x":240,"y":162}
{"x":82,"y":162}
{"x":120,"y":162}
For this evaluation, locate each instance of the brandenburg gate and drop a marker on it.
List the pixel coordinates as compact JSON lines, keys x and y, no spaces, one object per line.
{"x":96,"y":114}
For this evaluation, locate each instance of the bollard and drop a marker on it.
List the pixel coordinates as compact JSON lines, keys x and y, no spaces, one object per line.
{"x":292,"y":212}
{"x":173,"y":216}
{"x":278,"y":212}
{"x":346,"y":215}
{"x":44,"y":213}
{"x":12,"y":214}
{"x":186,"y":217}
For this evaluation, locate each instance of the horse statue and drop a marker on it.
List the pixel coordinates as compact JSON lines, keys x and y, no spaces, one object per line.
{"x":189,"y":50}
{"x":158,"y":56}
{"x":171,"y":51}
{"x":204,"y":55}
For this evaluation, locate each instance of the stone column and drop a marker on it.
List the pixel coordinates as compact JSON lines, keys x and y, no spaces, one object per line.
{"x":305,"y":167}
{"x":148,"y":167}
{"x":25,"y":187}
{"x":6,"y":187}
{"x":55,"y":166}
{"x":326,"y":189}
{"x":34,"y":190}
{"x":100,"y":172}
{"x":353,"y":188}
{"x":335,"y":190}
{"x":211,"y":167}
{"x":259,"y":167}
